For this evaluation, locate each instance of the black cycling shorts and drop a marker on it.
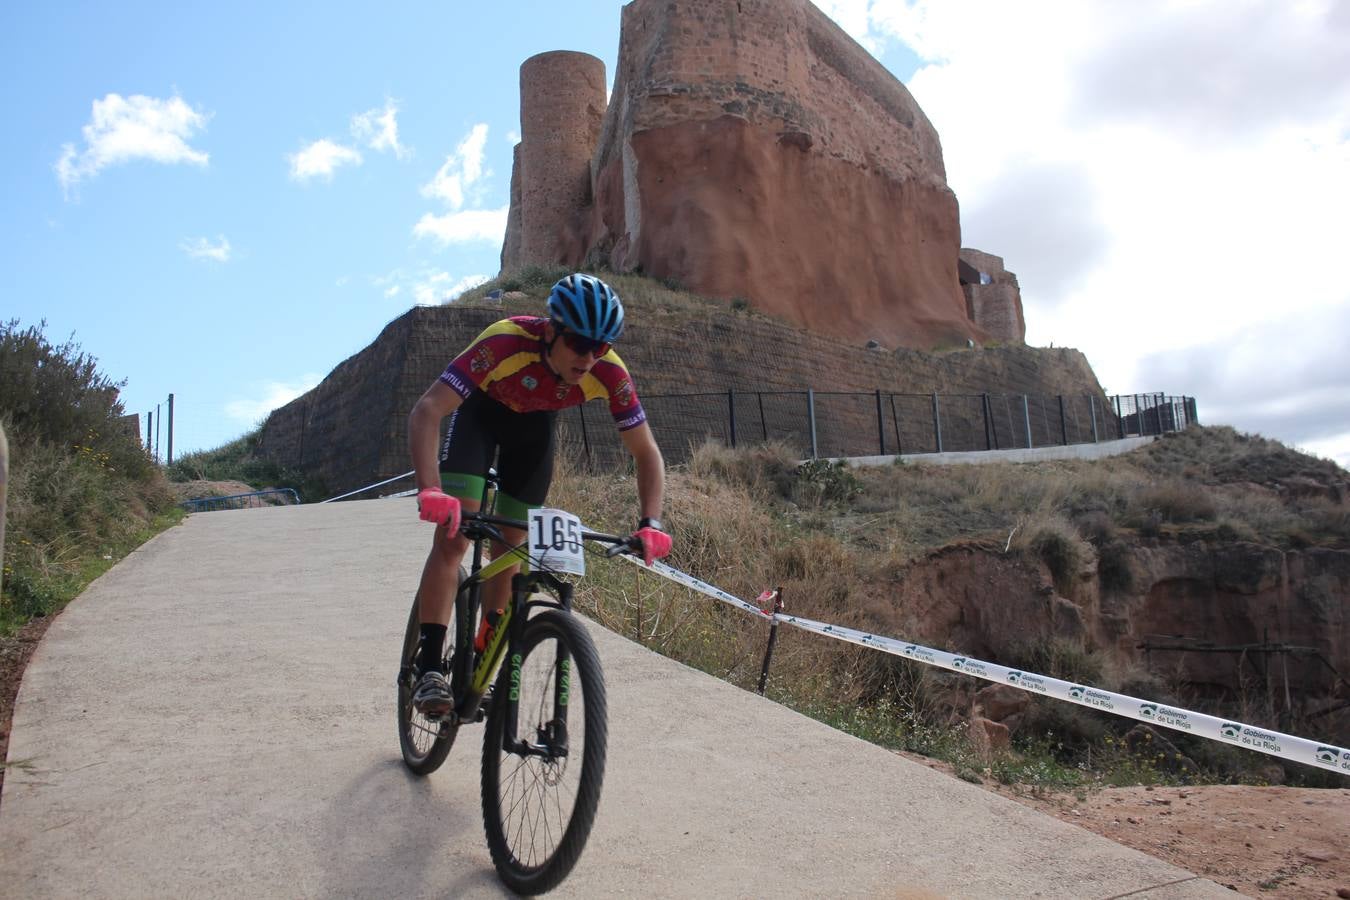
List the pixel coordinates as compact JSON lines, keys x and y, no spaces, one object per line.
{"x":523,"y":443}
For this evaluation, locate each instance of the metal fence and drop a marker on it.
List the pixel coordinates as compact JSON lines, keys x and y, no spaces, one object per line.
{"x":833,"y":423}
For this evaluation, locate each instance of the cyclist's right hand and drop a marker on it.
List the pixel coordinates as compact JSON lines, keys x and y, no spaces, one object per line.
{"x":434,"y":505}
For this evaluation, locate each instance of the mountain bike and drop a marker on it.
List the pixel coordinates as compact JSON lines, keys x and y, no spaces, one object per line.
{"x":544,"y":744}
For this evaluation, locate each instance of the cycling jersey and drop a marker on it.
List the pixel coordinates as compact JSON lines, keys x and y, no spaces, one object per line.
{"x":507,"y":363}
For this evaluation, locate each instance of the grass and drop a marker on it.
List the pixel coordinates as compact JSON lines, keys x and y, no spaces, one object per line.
{"x":238,"y":461}
{"x":837,"y":539}
{"x":82,"y":493}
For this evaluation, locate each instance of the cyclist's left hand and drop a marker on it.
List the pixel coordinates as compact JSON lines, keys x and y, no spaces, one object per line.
{"x":655,"y":543}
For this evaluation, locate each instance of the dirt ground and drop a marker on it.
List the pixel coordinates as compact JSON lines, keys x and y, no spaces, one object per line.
{"x":1262,"y":842}
{"x":1259,"y":841}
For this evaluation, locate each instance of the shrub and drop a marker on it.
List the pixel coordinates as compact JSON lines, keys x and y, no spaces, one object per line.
{"x":1056,"y":543}
{"x":1114,"y":569}
{"x":1178,"y":502}
{"x":766,"y":469}
{"x":822,"y":481}
{"x":81,"y":490}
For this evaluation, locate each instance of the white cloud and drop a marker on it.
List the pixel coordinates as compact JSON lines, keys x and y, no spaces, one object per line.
{"x":321,"y":159}
{"x":1169,"y":180}
{"x":513,"y":137}
{"x":463,"y":227}
{"x":271,"y":395}
{"x":378,"y":128}
{"x":461,"y":169}
{"x":1335,"y":448}
{"x":122,"y":129}
{"x":439,"y":288}
{"x":201,"y":248}
{"x":427,"y":286}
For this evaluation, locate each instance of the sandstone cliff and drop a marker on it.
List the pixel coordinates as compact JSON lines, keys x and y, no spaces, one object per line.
{"x":750,"y":149}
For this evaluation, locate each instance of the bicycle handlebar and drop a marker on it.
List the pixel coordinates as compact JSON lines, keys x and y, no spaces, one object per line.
{"x":621,"y":543}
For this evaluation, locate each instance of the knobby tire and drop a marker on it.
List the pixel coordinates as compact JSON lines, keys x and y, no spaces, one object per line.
{"x":525,"y":796}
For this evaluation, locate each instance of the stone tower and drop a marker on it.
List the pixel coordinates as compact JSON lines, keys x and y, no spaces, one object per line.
{"x":562,"y":103}
{"x":750,"y":150}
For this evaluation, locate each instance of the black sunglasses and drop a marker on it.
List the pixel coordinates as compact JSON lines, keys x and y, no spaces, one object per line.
{"x":582,"y":345}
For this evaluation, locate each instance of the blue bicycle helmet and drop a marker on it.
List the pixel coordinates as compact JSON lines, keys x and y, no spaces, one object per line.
{"x":587,"y":306}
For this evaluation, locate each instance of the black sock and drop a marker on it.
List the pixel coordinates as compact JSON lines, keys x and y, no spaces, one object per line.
{"x":430,"y":650}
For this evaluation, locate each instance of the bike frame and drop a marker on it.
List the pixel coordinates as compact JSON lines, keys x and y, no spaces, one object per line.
{"x":473,"y":673}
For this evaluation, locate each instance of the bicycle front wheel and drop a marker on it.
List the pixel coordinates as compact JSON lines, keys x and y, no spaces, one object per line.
{"x":544,"y":754}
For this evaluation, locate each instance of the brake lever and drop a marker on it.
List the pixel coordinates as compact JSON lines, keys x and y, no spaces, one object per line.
{"x":631,"y":545}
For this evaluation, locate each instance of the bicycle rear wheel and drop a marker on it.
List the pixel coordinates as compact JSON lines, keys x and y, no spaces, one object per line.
{"x":544,"y":754}
{"x":424,"y":743}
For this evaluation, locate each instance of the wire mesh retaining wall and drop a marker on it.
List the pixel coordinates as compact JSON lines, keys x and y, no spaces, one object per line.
{"x":834,"y":423}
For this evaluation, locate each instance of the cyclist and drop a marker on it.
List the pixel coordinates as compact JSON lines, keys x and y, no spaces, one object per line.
{"x":503,"y":394}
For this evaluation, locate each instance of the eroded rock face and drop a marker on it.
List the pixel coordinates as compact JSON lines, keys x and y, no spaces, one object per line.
{"x":1240,"y":594}
{"x":753,"y":150}
{"x":1201,"y":596}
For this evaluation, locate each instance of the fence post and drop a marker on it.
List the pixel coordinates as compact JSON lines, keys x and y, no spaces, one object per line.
{"x":4,"y":489}
{"x":1026,"y":418}
{"x":1063,"y":424}
{"x":1092,"y":405}
{"x":170,"y":456}
{"x":984,"y":409}
{"x":937,"y":423}
{"x":149,"y":430}
{"x":881,"y":425}
{"x":1138,"y":415}
{"x":1158,"y":411}
{"x":895,"y":416}
{"x":773,"y":638}
{"x":811,"y":419}
{"x":731,"y":414}
{"x":763,"y":423}
{"x":585,"y":439}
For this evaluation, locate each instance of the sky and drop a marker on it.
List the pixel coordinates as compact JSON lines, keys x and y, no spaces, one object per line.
{"x":224,"y":202}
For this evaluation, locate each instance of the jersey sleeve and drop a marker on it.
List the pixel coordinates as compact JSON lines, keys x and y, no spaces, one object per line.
{"x":624,"y":405}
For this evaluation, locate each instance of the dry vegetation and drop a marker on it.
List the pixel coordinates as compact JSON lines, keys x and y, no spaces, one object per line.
{"x":837,"y":539}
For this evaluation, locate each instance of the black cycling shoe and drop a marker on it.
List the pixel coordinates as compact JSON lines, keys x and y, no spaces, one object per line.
{"x":432,"y":698}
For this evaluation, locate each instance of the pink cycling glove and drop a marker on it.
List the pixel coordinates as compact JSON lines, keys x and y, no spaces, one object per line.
{"x":434,"y":505}
{"x":655,"y":544}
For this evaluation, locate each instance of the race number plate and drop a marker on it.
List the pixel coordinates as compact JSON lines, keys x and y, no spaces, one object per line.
{"x":555,"y":541}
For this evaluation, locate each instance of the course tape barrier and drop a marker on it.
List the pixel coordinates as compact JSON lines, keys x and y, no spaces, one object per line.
{"x":1225,"y":731}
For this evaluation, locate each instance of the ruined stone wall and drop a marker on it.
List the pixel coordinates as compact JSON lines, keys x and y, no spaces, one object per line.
{"x":995,"y":307}
{"x":562,"y":103}
{"x":511,"y":259}
{"x":352,"y":428}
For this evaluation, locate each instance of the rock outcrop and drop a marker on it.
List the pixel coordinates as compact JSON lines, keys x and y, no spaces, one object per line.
{"x":752,"y":150}
{"x":1191,"y":610}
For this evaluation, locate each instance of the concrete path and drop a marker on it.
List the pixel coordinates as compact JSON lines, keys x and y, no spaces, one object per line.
{"x":215,"y":717}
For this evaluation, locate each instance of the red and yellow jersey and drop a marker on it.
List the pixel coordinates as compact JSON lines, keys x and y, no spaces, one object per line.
{"x":507,"y":363}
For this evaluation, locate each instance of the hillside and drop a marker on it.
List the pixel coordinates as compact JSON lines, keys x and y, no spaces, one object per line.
{"x":1233,"y":547}
{"x":349,"y":431}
